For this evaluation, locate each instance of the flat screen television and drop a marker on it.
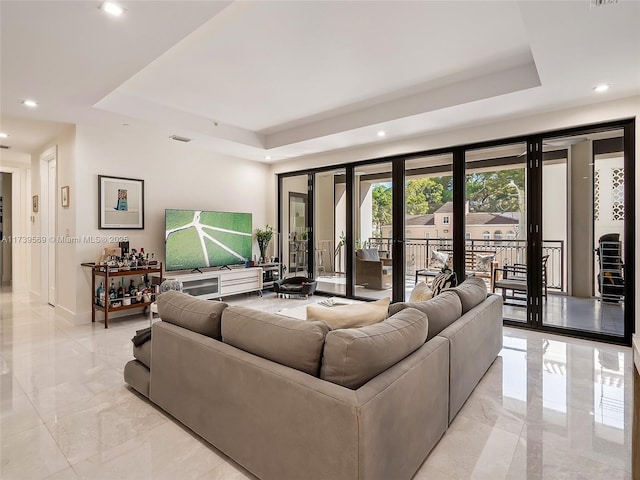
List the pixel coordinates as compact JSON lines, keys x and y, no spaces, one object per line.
{"x":199,"y":239}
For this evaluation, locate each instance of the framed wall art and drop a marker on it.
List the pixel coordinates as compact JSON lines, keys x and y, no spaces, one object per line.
{"x":120,"y":203}
{"x":65,"y":196}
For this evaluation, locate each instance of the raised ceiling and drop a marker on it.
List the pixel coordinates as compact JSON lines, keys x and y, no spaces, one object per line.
{"x":287,"y":79}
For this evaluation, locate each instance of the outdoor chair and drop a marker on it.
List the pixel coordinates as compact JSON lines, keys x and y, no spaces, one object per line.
{"x":513,"y":281}
{"x":372,"y":271}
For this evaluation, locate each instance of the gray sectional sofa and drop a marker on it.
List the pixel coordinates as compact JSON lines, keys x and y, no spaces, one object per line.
{"x":291,"y":399}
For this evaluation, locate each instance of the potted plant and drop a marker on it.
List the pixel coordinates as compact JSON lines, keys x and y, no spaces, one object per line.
{"x":264,"y":237}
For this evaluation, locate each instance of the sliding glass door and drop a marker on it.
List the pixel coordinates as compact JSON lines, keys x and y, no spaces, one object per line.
{"x":495,"y":223}
{"x":428,"y":218}
{"x":584,"y":210}
{"x":330,"y":207}
{"x":373,"y":230}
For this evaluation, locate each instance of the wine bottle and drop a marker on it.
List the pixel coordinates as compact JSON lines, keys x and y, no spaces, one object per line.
{"x":100,"y":294}
{"x":112,"y":291}
{"x":122,"y":290}
{"x":132,"y":288}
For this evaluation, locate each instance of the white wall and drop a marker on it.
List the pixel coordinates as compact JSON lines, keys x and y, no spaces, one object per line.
{"x":585,"y":115}
{"x":176,"y":176}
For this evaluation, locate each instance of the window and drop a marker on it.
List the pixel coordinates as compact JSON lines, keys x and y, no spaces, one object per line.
{"x":486,"y":236}
{"x":467,"y":236}
{"x":511,"y":235}
{"x":446,"y":220}
{"x":497,"y":236}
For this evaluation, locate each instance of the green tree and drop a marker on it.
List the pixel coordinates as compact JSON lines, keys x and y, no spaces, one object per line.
{"x":495,"y":191}
{"x":424,"y":195}
{"x":382,"y":202}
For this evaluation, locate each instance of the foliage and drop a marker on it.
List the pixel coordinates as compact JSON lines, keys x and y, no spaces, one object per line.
{"x":492,"y":191}
{"x":495,"y":191}
{"x":264,"y":235}
{"x":382,"y":201}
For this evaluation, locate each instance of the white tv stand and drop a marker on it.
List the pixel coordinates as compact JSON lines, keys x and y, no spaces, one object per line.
{"x":219,"y":283}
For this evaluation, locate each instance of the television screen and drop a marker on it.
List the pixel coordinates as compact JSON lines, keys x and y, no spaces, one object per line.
{"x":198,"y":239}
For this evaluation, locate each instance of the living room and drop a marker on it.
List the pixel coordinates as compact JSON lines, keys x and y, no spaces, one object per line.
{"x":222,"y":169}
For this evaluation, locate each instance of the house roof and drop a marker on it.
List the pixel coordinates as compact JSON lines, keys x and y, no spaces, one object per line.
{"x":446,"y":208}
{"x":232,"y":78}
{"x":478,"y":218}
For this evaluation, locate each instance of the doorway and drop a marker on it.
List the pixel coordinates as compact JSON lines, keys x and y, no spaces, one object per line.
{"x":49,"y":189}
{"x":594,"y":201}
{"x":5,"y":228}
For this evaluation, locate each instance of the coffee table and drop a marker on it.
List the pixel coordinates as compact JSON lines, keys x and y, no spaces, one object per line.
{"x":300,"y":313}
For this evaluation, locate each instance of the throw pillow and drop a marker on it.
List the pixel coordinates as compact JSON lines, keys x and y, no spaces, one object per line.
{"x":421,"y":293}
{"x":483,"y":262}
{"x":350,"y":316}
{"x":438,"y":260}
{"x":443,"y":281}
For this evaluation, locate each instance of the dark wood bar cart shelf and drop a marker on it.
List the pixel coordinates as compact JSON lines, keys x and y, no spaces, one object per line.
{"x":108,"y":273}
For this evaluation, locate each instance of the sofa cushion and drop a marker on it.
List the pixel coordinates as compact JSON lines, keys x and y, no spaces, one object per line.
{"x":472,"y":292}
{"x":368,"y":254}
{"x":195,"y":314}
{"x":143,"y":353}
{"x":354,"y":356}
{"x":294,"y":343}
{"x":421,"y":293}
{"x":441,"y":311}
{"x":350,"y":316}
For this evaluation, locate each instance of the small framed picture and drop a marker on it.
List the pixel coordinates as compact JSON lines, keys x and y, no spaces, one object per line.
{"x":34,"y":205}
{"x":65,"y":196}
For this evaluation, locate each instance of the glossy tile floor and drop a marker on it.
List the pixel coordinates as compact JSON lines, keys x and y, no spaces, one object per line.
{"x":549,"y":407}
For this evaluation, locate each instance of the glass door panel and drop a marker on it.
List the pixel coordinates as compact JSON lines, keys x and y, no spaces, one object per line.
{"x":428,"y":211}
{"x":583,"y":220}
{"x":329,"y":233}
{"x":373,"y":232}
{"x":294,"y":225}
{"x":495,"y":223}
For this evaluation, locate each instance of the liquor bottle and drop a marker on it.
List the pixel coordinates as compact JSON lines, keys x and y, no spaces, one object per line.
{"x":100,"y":295}
{"x":141,"y":285}
{"x":122,"y":290}
{"x":132,"y":288}
{"x":112,"y":291}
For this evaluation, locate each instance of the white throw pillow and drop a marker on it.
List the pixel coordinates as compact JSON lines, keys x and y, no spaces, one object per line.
{"x":350,"y":316}
{"x":421,"y":293}
{"x":438,"y":260}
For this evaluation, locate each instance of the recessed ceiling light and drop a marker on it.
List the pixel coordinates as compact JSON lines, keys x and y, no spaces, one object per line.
{"x":601,"y":88}
{"x":30,"y":103}
{"x":112,"y":8}
{"x":268,"y":157}
{"x":4,"y":135}
{"x":382,"y":133}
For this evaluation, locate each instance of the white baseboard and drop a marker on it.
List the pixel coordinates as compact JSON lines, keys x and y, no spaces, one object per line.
{"x":34,"y":297}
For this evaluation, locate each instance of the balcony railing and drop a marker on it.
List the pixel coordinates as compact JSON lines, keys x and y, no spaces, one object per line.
{"x":507,"y":252}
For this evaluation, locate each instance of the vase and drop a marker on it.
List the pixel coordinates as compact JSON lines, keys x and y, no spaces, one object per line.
{"x":263,"y":245}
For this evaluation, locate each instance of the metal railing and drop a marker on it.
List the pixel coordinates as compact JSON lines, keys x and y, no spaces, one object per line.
{"x":418,"y":252}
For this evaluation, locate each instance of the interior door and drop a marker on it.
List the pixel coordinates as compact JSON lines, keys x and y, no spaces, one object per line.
{"x":51,"y":231}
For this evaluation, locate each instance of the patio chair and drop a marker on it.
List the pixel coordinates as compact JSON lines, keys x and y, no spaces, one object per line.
{"x":514,"y":279}
{"x":372,"y":271}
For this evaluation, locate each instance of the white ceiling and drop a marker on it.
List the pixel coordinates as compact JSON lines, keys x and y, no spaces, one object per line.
{"x":287,"y":79}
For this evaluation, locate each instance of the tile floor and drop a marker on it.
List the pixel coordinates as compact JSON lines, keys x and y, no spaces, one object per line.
{"x":549,"y":407}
